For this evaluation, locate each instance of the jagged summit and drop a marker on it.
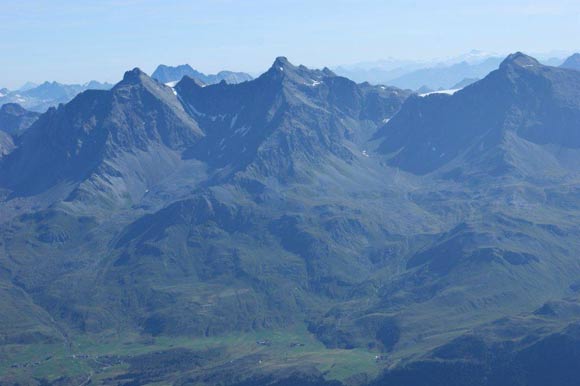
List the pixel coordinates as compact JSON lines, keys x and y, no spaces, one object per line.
{"x":167,"y":74}
{"x":283,"y":70}
{"x":183,"y":67}
{"x":136,"y":79}
{"x":519,"y":59}
{"x":328,"y":72}
{"x":281,"y":62}
{"x":134,"y":76}
{"x":188,"y":81}
{"x":312,"y":110}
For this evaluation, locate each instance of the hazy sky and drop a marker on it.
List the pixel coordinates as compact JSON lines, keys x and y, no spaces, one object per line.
{"x":75,"y":41}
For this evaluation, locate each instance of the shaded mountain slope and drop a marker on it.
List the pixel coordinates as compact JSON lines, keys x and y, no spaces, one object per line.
{"x":14,"y":119}
{"x":83,"y":139}
{"x":289,"y":113}
{"x":536,"y":348}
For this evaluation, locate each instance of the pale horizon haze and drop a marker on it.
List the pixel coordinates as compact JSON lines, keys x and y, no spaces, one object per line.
{"x":74,"y":42}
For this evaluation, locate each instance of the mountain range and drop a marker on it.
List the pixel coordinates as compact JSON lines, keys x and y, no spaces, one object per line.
{"x":295,"y":229}
{"x":173,"y":74}
{"x":445,"y":76}
{"x":48,"y":94}
{"x":441,"y":74}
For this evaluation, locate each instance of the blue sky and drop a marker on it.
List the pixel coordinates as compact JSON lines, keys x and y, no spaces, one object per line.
{"x":75,"y":41}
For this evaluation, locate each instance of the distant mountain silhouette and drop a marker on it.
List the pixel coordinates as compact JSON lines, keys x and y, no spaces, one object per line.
{"x":168,"y":74}
{"x":424,"y":75}
{"x":39,"y":98}
{"x":445,"y":76}
{"x":572,"y":62}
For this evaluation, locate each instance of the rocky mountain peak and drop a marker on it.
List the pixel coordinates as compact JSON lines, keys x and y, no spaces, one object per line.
{"x":134,"y":76}
{"x":281,"y":62}
{"x":519,"y":59}
{"x":283,"y":70}
{"x":188,"y":81}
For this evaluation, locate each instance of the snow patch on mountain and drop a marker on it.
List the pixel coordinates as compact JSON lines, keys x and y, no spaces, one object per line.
{"x":448,"y":92}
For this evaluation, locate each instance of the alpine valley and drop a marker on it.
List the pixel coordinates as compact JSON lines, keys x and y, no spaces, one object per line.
{"x":294,"y":229}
